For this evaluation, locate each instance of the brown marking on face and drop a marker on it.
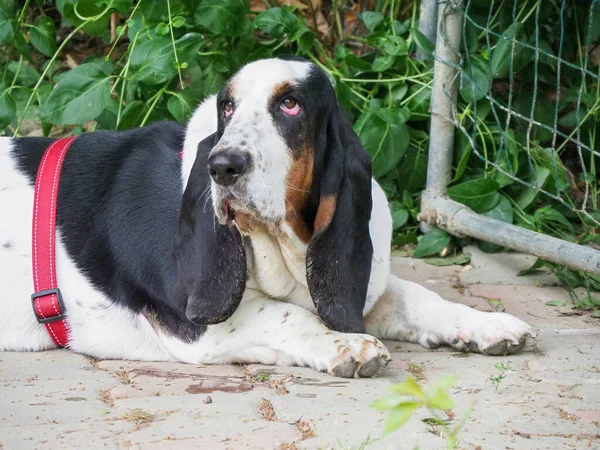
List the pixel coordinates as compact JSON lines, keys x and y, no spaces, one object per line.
{"x":231,"y":89}
{"x":281,"y":89}
{"x":298,"y":183}
{"x":325,"y":212}
{"x":244,"y":222}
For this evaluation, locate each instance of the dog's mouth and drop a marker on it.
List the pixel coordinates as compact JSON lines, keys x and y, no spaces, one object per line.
{"x":227,"y":216}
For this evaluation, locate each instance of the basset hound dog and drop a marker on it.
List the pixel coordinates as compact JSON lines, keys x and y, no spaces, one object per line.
{"x":266,"y":241}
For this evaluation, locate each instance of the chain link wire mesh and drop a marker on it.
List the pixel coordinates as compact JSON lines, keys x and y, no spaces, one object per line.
{"x":529,"y":97}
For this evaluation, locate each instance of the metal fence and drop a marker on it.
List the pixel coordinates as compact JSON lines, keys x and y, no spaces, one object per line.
{"x":545,"y":128}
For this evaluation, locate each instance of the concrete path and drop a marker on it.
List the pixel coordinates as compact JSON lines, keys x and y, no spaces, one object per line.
{"x":549,"y":398}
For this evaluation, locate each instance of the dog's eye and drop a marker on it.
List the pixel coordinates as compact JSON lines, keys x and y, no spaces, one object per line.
{"x":228,"y":109}
{"x":290,"y":106}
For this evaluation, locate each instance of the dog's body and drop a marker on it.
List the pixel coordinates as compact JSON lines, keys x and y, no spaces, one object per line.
{"x":296,"y":272}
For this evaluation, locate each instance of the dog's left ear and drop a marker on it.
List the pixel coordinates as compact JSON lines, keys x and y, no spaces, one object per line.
{"x":340,"y":251}
{"x":210,"y":257}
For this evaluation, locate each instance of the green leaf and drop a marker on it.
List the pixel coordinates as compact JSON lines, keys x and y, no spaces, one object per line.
{"x":508,"y":159}
{"x":459,"y":260}
{"x":433,"y":242}
{"x":528,"y":194}
{"x":420,"y":97}
{"x":188,"y":46}
{"x":543,"y":112}
{"x":8,"y":108}
{"x":181,"y":105}
{"x":398,"y":416}
{"x":475,"y":80}
{"x":85,"y":8}
{"x":132,"y":115}
{"x":423,"y":44}
{"x":386,"y":143}
{"x":372,"y":19}
{"x":596,"y":314}
{"x":395,"y":45}
{"x":21,"y":45}
{"x":120,"y":5}
{"x":162,"y":29}
{"x":501,"y":56}
{"x":26,"y":75}
{"x":7,"y":27}
{"x":502,"y":211}
{"x":405,"y":238}
{"x":548,"y":214}
{"x":383,"y":63}
{"x":154,"y":12}
{"x":354,"y":61}
{"x":462,"y":152}
{"x":538,"y":264}
{"x":480,"y":194}
{"x":152,"y":60}
{"x":178,"y":21}
{"x":386,"y":403}
{"x":399,"y":214}
{"x":396,"y":93}
{"x":441,"y":400}
{"x":43,"y":36}
{"x":545,"y":47}
{"x":445,"y":382}
{"x":277,"y":22}
{"x":225,"y":17}
{"x":80,"y":95}
{"x":556,"y":303}
{"x":396,"y":116}
{"x":412,"y":171}
{"x":409,"y":387}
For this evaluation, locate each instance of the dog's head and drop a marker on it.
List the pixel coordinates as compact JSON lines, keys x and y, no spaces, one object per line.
{"x":285,"y":153}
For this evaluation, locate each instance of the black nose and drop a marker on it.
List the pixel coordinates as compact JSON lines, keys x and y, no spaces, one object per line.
{"x":226,"y":166}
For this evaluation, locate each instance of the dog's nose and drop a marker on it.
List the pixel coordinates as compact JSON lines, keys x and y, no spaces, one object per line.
{"x":225,"y":167}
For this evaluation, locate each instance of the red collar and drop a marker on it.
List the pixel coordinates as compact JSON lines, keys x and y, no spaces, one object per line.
{"x":47,"y":302}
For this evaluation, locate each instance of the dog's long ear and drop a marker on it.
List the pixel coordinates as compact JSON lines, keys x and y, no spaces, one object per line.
{"x":210,"y":257}
{"x":340,"y":251}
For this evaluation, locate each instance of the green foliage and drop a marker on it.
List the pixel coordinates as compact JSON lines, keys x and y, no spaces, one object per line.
{"x":502,"y":368}
{"x":432,"y":243}
{"x":571,"y":280}
{"x":164,"y":57}
{"x":408,"y":396}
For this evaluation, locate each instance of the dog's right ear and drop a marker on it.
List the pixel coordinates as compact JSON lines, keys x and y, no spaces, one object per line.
{"x":210,"y":257}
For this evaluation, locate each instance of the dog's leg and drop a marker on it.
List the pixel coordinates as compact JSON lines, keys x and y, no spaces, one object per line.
{"x":271,"y":332}
{"x":409,"y":312}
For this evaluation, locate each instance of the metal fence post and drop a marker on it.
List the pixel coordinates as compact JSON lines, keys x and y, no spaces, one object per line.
{"x":428,"y":23}
{"x":442,"y":108}
{"x":438,"y":210}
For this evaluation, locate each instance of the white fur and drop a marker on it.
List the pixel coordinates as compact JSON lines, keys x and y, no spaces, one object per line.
{"x":275,"y":323}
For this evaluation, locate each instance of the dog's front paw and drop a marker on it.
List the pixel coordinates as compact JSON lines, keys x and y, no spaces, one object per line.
{"x":494,"y":334}
{"x":358,"y":355}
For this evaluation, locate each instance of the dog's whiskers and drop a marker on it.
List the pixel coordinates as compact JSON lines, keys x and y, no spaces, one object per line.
{"x":296,"y":189}
{"x":292,"y":207}
{"x":206,"y":202}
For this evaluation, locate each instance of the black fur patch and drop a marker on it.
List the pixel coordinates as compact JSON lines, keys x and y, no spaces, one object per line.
{"x":119,"y":205}
{"x":338,"y":258}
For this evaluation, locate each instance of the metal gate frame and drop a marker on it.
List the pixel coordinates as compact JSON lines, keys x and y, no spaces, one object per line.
{"x":440,"y":211}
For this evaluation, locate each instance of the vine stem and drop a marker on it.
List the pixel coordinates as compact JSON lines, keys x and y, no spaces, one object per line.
{"x":173,"y":43}
{"x":157,"y":96}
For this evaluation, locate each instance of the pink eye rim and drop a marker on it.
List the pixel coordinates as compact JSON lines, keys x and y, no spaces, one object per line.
{"x":290,"y":106}
{"x":228,"y":109}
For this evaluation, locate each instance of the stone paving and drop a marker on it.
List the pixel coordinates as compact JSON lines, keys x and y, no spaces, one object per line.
{"x":550,"y":397}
